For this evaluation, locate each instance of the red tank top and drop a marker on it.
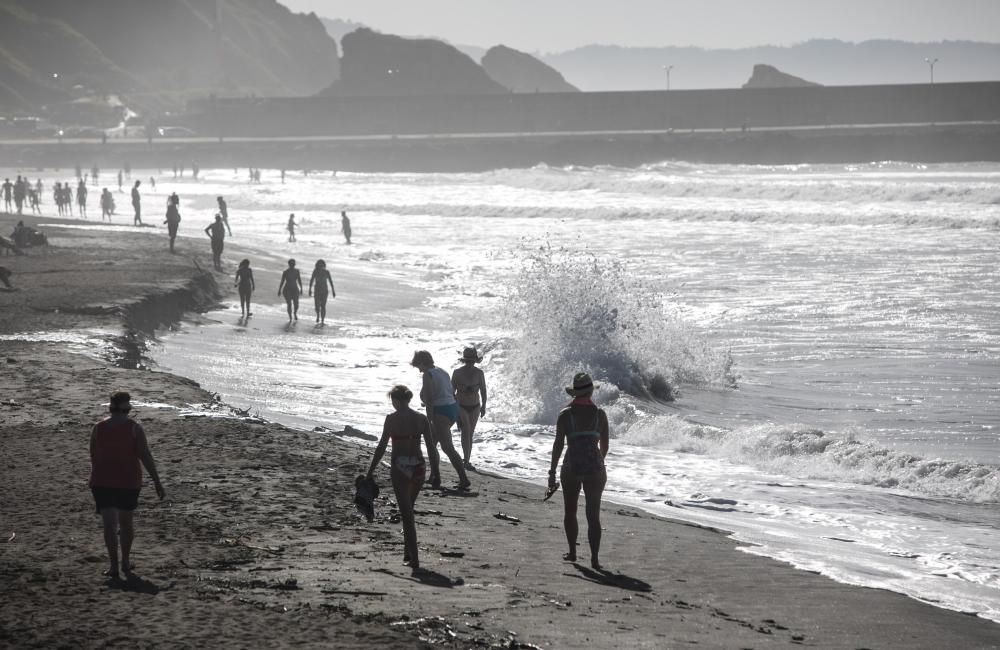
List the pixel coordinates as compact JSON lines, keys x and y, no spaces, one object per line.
{"x":115,"y":463}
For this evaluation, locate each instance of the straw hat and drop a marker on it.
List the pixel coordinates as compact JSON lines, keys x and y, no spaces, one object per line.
{"x":582,"y":385}
{"x":470,"y":354}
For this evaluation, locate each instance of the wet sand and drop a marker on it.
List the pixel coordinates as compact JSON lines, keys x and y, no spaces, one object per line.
{"x":259,"y":545}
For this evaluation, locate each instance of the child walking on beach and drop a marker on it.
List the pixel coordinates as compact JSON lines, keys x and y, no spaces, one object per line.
{"x":118,"y":452}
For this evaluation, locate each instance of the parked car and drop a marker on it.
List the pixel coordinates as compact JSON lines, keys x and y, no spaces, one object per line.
{"x":175,"y":132}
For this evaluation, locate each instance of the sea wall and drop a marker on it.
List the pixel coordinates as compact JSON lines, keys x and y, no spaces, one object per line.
{"x":750,"y":108}
{"x":916,"y":144}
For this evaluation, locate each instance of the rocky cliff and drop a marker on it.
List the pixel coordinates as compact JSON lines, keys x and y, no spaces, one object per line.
{"x":160,"y":50}
{"x":376,"y":64}
{"x":766,"y":76}
{"x":523,"y":73}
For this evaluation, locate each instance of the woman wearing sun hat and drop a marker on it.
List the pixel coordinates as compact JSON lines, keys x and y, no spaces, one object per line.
{"x":583,"y":429}
{"x":469,"y":384}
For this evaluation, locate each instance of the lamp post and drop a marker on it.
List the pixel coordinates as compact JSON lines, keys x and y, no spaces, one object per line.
{"x":931,"y":63}
{"x":667,"y":69}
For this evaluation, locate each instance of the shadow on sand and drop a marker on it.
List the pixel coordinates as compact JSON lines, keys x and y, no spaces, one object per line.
{"x":134,"y":583}
{"x":605,"y":577}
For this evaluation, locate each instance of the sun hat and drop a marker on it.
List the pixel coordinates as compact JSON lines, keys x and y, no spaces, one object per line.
{"x":582,"y":385}
{"x":470,"y":354}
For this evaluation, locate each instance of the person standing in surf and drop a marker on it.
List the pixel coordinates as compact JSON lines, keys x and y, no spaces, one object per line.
{"x":345,"y":226}
{"x":173,"y":219}
{"x":136,"y":202}
{"x":118,"y":452}
{"x":321,"y":278}
{"x":405,"y":428}
{"x":469,"y":384}
{"x":442,"y":411}
{"x":224,"y":211}
{"x":291,"y":227}
{"x":290,"y":288}
{"x":582,"y":427}
{"x":244,"y":280}
{"x":216,"y":231}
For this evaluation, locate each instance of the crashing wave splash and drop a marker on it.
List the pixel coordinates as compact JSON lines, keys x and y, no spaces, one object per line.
{"x":573,"y":311}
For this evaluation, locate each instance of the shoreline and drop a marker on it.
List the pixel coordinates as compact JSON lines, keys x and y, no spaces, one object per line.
{"x":258,"y":542}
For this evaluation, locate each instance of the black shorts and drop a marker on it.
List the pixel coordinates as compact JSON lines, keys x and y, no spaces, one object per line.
{"x":120,"y":498}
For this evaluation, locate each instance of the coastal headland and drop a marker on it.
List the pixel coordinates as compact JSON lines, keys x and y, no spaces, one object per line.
{"x":259,"y":545}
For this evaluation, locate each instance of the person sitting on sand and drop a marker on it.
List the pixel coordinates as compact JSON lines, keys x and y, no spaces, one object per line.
{"x":244,"y":280}
{"x":321,"y":277}
{"x":469,"y":384}
{"x":583,"y":429}
{"x":290,"y":288}
{"x":405,"y":427}
{"x":442,"y":411}
{"x":291,"y":227}
{"x":117,"y":447}
{"x":216,"y":231}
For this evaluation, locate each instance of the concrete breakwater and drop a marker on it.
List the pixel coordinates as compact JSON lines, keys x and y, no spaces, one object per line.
{"x":451,"y":153}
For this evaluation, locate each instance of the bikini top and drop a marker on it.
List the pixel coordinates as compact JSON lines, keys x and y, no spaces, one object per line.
{"x":578,"y":435}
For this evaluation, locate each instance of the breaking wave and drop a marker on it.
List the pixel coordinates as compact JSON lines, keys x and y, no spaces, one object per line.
{"x":573,"y":311}
{"x":811,"y":454}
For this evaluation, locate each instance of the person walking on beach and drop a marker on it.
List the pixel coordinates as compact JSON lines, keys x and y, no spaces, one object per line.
{"x":582,"y":427}
{"x":469,"y":384}
{"x":345,"y":226}
{"x":405,"y":428}
{"x":136,"y":203}
{"x":19,"y":194}
{"x":8,"y":194}
{"x":244,"y":280}
{"x":93,"y":174}
{"x":107,"y":204}
{"x":81,"y":197}
{"x":321,"y":277}
{"x":216,"y":231}
{"x":291,"y":227}
{"x":290,"y":288}
{"x":224,"y":211}
{"x":118,"y":452}
{"x":442,"y":411}
{"x":120,"y":180}
{"x":173,"y":219}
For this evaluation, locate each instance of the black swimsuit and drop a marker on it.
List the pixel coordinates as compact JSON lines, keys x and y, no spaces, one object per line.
{"x":583,"y":452}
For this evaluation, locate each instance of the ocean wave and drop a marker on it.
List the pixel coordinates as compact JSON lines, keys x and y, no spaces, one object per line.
{"x":573,"y":311}
{"x":806,"y":453}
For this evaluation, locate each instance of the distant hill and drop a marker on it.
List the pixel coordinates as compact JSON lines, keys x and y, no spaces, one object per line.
{"x":767,"y":76}
{"x":159,"y":52}
{"x":382,"y":64}
{"x":829,"y":62}
{"x":523,"y":73}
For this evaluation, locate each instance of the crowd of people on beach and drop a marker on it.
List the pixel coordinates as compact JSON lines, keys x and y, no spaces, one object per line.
{"x":119,"y":449}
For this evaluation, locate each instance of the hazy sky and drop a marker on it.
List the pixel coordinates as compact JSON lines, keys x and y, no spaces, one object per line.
{"x":557,"y":25}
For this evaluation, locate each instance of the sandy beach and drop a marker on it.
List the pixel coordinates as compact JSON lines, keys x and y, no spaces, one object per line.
{"x":258,"y":543}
